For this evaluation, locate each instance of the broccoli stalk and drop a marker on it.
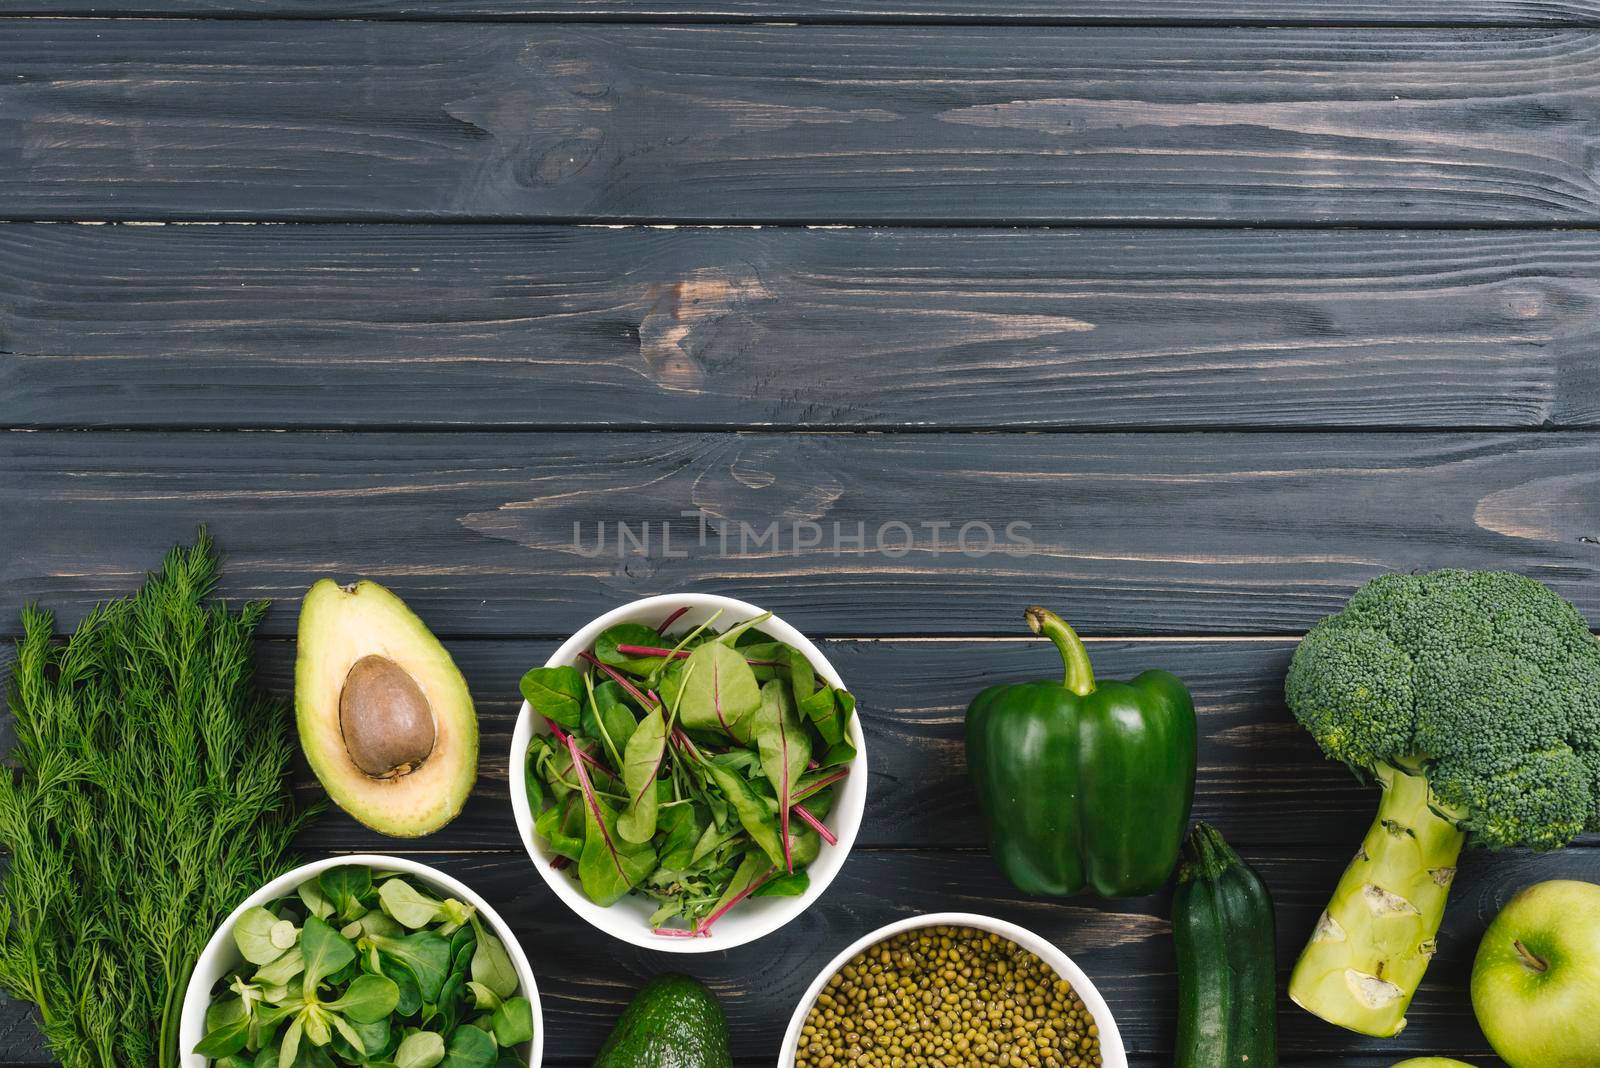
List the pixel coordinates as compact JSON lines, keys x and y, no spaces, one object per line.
{"x":1372,"y":945}
{"x":1473,"y":699}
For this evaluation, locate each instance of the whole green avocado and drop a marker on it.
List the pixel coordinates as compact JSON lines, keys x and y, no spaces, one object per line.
{"x":672,"y":1022}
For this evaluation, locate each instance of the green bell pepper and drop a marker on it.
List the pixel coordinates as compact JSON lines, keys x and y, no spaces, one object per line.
{"x":1083,"y":786}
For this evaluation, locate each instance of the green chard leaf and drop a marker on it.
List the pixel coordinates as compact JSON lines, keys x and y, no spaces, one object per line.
{"x":837,"y":755}
{"x":605,"y":648}
{"x":561,"y":826}
{"x":609,"y":865}
{"x":684,"y":824}
{"x":820,"y":709}
{"x":753,"y":868}
{"x":556,"y":693}
{"x":792,"y":884}
{"x":641,"y":764}
{"x":607,"y":717}
{"x":785,"y":750}
{"x":754,"y":815}
{"x":802,"y":676}
{"x":718,"y":691}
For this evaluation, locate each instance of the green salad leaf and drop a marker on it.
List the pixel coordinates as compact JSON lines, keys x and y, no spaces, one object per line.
{"x":697,"y":768}
{"x":389,"y":988}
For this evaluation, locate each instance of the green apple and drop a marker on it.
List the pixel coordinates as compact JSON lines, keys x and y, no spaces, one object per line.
{"x":1536,"y":982}
{"x":1432,"y":1062}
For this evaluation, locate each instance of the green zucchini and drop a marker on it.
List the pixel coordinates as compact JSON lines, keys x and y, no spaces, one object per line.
{"x":1222,"y":927}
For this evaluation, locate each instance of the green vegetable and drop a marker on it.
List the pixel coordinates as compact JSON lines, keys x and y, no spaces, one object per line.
{"x":1084,"y":786}
{"x":145,"y":796}
{"x":371,"y":992}
{"x":1473,"y":699}
{"x":419,"y":1049}
{"x":513,"y":1022}
{"x":646,"y":749}
{"x":685,"y":773}
{"x":491,"y":964}
{"x":556,"y":693}
{"x":719,"y":692}
{"x":785,"y":750}
{"x":1222,"y":930}
{"x":408,"y":905}
{"x":672,"y":1022}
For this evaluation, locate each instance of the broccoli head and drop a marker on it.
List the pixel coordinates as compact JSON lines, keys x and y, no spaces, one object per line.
{"x":1473,"y":699}
{"x":1486,"y":681}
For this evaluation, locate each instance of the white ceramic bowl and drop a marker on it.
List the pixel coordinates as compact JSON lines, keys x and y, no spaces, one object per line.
{"x":221,"y":955}
{"x":1111,"y":1051}
{"x":629,"y":918}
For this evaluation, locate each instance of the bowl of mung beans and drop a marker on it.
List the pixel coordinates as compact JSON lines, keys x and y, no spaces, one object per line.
{"x":952,"y":989}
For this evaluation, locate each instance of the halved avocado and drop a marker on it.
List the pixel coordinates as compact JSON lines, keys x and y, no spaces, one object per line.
{"x":384,"y":715}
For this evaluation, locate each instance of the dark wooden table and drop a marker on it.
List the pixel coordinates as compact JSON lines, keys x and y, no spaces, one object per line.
{"x":1234,"y":303}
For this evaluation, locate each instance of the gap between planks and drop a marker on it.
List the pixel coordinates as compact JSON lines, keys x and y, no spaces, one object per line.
{"x":44,"y":12}
{"x":650,"y":222}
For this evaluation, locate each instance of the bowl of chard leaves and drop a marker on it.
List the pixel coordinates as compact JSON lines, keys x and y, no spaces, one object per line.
{"x":362,"y":960}
{"x":689,"y":773}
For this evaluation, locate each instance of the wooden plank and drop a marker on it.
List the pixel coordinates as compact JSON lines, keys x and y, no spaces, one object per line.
{"x":1124,"y":946}
{"x":140,"y":119}
{"x":1049,"y":12}
{"x":393,"y":326}
{"x":500,"y":534}
{"x":1261,"y":777}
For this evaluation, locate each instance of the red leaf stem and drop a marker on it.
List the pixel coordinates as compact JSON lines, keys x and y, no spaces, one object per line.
{"x":704,"y":926}
{"x":816,"y":825}
{"x":594,"y":805}
{"x":621,"y":680}
{"x":682,"y":654}
{"x":822,"y":784}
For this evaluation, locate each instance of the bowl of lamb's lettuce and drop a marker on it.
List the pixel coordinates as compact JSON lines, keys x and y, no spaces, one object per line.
{"x":688,"y":772}
{"x":362,"y":960}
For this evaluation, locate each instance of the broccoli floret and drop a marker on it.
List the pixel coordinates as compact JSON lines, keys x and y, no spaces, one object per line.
{"x":1473,"y":699}
{"x":1487,"y":680}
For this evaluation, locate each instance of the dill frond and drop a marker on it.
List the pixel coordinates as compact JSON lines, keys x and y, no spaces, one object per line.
{"x":148,"y":796}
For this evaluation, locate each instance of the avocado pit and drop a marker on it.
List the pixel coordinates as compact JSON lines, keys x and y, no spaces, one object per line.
{"x":385,"y":718}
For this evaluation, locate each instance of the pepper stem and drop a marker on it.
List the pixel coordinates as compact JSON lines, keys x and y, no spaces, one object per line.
{"x":1080,"y":673}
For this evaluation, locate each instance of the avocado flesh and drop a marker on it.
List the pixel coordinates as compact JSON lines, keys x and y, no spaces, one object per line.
{"x":673,"y":1022}
{"x":341,"y":627}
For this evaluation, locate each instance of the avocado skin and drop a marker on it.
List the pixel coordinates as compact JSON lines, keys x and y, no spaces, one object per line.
{"x":672,"y":1022}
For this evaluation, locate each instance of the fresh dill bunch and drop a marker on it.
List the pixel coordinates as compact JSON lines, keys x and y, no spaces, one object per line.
{"x":148,"y":796}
